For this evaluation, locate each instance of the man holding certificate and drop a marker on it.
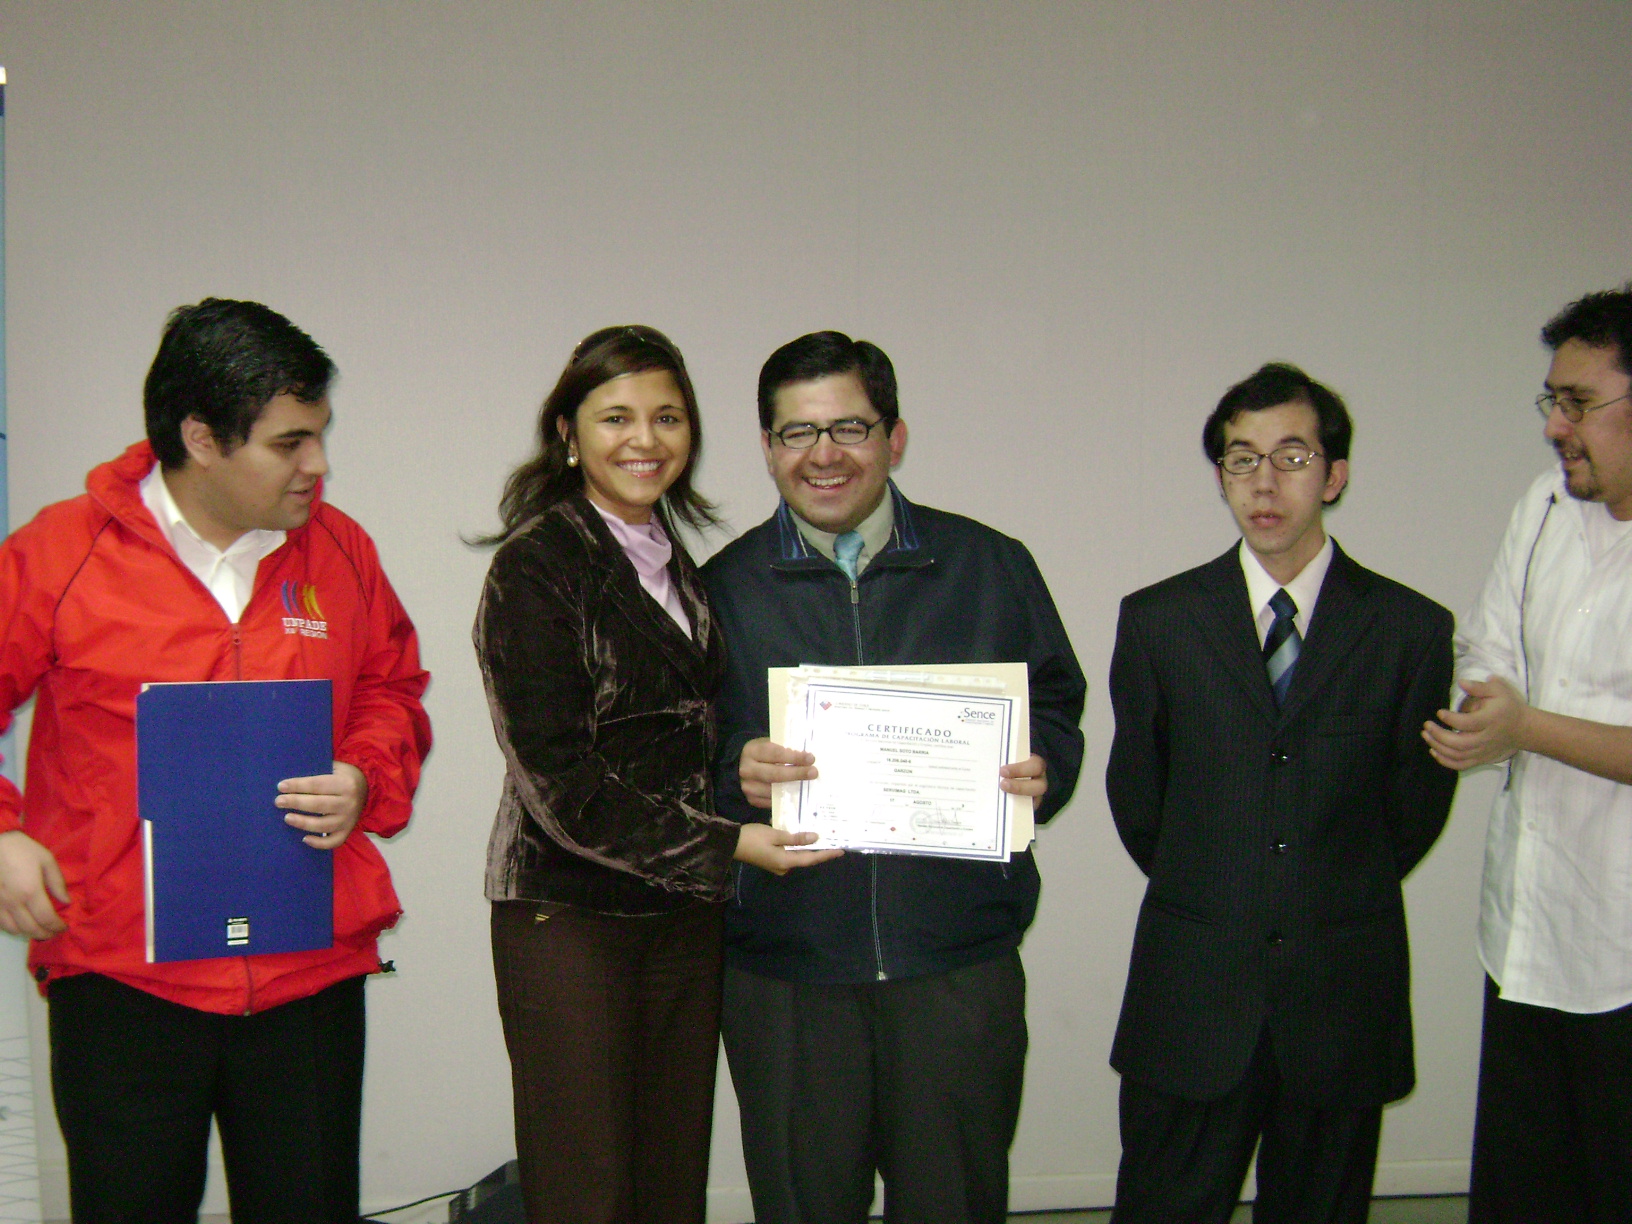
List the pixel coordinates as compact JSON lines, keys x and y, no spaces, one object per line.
{"x":1268,"y":775}
{"x":874,"y":1011}
{"x":205,"y":553}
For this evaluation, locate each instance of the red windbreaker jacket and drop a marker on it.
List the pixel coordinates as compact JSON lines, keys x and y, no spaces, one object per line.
{"x":95,"y":603}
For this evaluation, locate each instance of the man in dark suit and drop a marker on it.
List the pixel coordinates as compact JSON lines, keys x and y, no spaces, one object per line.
{"x":1269,"y":776}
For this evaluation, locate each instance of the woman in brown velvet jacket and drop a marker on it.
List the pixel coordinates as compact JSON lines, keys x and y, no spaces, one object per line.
{"x":608,"y":868}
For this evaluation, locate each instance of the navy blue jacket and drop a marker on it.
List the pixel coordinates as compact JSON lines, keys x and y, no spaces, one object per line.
{"x":945,"y":590}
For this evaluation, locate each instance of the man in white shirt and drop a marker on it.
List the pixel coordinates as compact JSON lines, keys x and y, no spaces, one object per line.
{"x":1268,"y":776}
{"x":1544,"y":661}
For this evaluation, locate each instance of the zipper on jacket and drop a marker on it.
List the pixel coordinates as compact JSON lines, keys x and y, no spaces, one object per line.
{"x":855,"y":618}
{"x":878,"y":947}
{"x":249,"y":988}
{"x":872,"y":861}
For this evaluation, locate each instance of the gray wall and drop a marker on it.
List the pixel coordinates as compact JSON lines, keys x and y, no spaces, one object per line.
{"x":1071,"y":224}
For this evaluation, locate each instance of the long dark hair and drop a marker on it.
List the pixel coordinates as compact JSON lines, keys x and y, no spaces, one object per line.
{"x":547,"y":478}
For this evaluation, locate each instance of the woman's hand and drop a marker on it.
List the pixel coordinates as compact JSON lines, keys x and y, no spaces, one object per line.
{"x":763,"y":764}
{"x":759,"y":845}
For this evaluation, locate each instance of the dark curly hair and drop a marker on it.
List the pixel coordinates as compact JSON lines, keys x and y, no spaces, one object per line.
{"x":1599,"y":320}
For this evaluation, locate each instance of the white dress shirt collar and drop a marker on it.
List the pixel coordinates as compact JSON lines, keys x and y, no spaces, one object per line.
{"x":1304,"y":589}
{"x":228,"y":574}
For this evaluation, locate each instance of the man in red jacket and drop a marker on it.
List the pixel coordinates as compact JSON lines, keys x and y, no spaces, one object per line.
{"x":204,"y":553}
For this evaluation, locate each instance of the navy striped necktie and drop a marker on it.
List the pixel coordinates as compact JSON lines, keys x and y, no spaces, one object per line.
{"x":1281,"y":644}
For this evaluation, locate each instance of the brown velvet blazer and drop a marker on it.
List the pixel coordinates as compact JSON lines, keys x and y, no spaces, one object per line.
{"x":604,"y":711}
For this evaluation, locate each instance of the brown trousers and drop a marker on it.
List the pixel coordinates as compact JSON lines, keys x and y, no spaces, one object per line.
{"x":613,"y":1029}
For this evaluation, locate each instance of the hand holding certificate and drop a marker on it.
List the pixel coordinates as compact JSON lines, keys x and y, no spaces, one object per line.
{"x":908,"y":758}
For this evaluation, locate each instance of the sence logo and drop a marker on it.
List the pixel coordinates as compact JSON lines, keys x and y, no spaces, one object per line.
{"x":978,"y":717}
{"x":305,"y":614}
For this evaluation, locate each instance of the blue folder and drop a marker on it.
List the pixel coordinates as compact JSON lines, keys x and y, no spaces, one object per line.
{"x":224,"y":875}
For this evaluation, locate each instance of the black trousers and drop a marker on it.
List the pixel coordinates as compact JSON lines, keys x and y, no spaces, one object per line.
{"x":137,"y":1078}
{"x":1552,"y":1133}
{"x":613,"y":1026}
{"x":1183,"y":1161}
{"x":918,"y":1079}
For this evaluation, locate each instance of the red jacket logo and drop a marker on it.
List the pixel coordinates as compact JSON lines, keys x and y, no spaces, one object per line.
{"x":305,"y":613}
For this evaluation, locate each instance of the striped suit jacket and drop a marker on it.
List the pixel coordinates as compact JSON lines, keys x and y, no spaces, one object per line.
{"x":1275,"y":839}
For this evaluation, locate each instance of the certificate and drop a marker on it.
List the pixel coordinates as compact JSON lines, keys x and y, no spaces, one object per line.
{"x":908,"y":757}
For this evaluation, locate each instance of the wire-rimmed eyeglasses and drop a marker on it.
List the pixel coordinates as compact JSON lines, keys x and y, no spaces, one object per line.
{"x":802,"y":436}
{"x":1244,"y":462}
{"x":1572,"y":408}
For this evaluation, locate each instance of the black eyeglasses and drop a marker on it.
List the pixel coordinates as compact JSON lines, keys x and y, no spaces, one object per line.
{"x":801,"y":436}
{"x":1243,"y":462}
{"x":1572,"y":408}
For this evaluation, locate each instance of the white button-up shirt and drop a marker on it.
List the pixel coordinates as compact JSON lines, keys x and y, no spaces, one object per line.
{"x":1304,"y":589}
{"x":1555,"y":917}
{"x":228,"y":573}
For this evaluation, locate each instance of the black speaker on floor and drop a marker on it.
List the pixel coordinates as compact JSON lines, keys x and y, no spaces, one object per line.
{"x":496,"y":1199}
